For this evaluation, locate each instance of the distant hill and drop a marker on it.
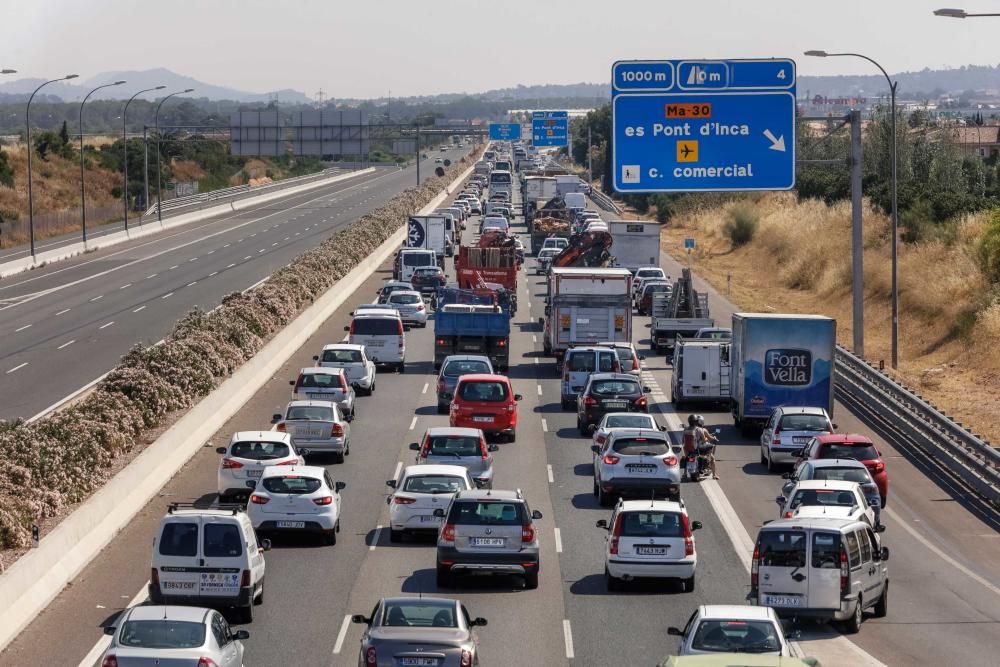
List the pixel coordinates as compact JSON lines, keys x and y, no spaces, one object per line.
{"x":925,"y":83}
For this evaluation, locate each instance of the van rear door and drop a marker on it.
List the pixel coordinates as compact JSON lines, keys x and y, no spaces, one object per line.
{"x":177,"y":556}
{"x":783,"y":576}
{"x":223,"y":557}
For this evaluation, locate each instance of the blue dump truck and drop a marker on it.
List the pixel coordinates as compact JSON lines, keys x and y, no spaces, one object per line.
{"x":472,"y":322}
{"x":780,"y":360}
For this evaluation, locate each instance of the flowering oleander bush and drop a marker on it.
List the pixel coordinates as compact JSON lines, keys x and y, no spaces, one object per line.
{"x":62,"y":458}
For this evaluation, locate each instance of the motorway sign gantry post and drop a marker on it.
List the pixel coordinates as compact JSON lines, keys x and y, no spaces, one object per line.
{"x":549,"y":128}
{"x":505,"y":131}
{"x":703,"y":125}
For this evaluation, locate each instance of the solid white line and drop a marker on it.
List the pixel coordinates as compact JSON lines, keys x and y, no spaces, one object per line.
{"x":568,"y":637}
{"x":64,"y":310}
{"x":26,"y":326}
{"x":213,"y":273}
{"x":253,"y":235}
{"x":168,"y":294}
{"x":139,"y":308}
{"x":105,"y":641}
{"x":536,"y":360}
{"x":548,"y":469}
{"x":539,"y":387}
{"x":413,"y":422}
{"x":545,"y":426}
{"x":105,"y":326}
{"x":125,"y":286}
{"x":342,"y":634}
{"x":375,"y":538}
{"x":422,"y":391}
{"x":399,"y":468}
{"x":230,"y":266}
{"x":17,"y":368}
{"x":66,"y":344}
{"x":99,"y":296}
{"x":151,"y":276}
{"x":193,"y":282}
{"x":558,"y":541}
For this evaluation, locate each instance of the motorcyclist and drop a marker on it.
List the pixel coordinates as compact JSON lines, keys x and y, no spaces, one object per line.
{"x":705,"y":441}
{"x":690,"y":443}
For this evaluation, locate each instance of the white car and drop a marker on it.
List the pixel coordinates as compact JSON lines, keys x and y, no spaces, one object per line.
{"x":138,"y":637}
{"x":419,"y":491}
{"x":410,"y":305}
{"x":613,"y":420}
{"x":354,"y":360}
{"x":827,"y":498}
{"x":788,"y":430}
{"x":299,"y":499}
{"x":731,"y":628}
{"x":246,"y":457}
{"x":650,"y":538}
{"x":644,"y":272}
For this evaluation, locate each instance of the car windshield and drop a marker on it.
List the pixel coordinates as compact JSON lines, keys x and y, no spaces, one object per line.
{"x":822,"y":498}
{"x":162,"y":634}
{"x":859,"y":475}
{"x":291,"y":484}
{"x":321,"y":381}
{"x":736,"y":636}
{"x":485,"y":513}
{"x":420,"y":614}
{"x":434,"y":484}
{"x":342,"y":356}
{"x":454,"y":445}
{"x":859,"y":451}
{"x":804,"y":423}
{"x":782,"y":548}
{"x":487,"y":391}
{"x":651,"y":524}
{"x":405,"y":299}
{"x":629,"y":421}
{"x":259,"y":451}
{"x":636,"y":446}
{"x":459,"y":367}
{"x":613,"y":387}
{"x":310,"y":413}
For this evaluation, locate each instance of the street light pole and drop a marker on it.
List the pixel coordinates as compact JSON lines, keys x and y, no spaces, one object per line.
{"x":83,"y":189}
{"x":27,"y":122}
{"x":958,"y":14}
{"x":895,"y":212}
{"x":125,"y":145}
{"x":156,"y":123}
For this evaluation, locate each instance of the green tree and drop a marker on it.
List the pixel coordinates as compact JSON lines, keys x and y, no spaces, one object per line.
{"x":6,"y":171}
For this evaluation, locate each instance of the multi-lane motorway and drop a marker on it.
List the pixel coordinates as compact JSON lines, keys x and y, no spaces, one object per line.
{"x":65,"y":324}
{"x":944,"y":568}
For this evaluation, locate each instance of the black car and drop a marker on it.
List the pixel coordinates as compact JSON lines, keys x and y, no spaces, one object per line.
{"x":427,"y":279}
{"x":609,"y":392}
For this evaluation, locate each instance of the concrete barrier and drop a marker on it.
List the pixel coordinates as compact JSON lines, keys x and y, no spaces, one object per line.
{"x":35,"y":579}
{"x":65,"y":252}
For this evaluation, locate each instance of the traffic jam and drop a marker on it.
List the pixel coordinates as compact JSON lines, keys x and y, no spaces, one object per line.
{"x":520,"y":228}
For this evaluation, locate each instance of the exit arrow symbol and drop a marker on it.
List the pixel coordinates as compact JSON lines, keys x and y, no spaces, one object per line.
{"x":777,"y":144}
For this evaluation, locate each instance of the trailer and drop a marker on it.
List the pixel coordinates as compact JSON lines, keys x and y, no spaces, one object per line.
{"x":636,"y":243}
{"x":586,"y":306}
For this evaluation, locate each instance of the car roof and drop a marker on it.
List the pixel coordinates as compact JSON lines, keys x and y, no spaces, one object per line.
{"x":484,"y":377}
{"x":632,"y":432}
{"x":656,"y":505}
{"x":627,"y":414}
{"x":320,"y":370}
{"x":388,"y":313}
{"x":489,"y":494}
{"x":343,"y":346}
{"x":647,"y":267}
{"x":397,"y":283}
{"x":466,"y":357}
{"x":418,"y":600}
{"x":159,"y":612}
{"x":272,"y":436}
{"x":434,"y":469}
{"x":284,"y":471}
{"x":845,"y":439}
{"x":837,"y":463}
{"x":310,"y":404}
{"x":810,"y":522}
{"x":831,"y":484}
{"x":801,"y":410}
{"x":618,"y":344}
{"x":408,"y":292}
{"x":588,"y":348}
{"x":453,"y":430}
{"x":736,"y":611}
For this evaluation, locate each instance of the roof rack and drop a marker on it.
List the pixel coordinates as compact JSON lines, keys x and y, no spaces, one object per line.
{"x":233,"y":507}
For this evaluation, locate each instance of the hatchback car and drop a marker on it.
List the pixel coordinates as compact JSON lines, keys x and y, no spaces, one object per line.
{"x":644,"y":272}
{"x":454,"y":367}
{"x":823,"y":497}
{"x":391,"y":286}
{"x":635,"y":462}
{"x":466,"y":447}
{"x":608,"y":392}
{"x":488,"y":533}
{"x":649,"y":539}
{"x":317,"y":426}
{"x":419,"y":491}
{"x":427,"y":279}
{"x":299,"y":499}
{"x":787,"y":430}
{"x":485,"y":402}
{"x":557,"y":242}
{"x":437,"y":632}
{"x":850,"y":446}
{"x":246,"y":457}
{"x":355,"y":362}
{"x":846,"y":470}
{"x":543,"y":260}
{"x":155,"y":634}
{"x":628,"y":357}
{"x":730,"y":628}
{"x":326,"y":384}
{"x":410,"y":306}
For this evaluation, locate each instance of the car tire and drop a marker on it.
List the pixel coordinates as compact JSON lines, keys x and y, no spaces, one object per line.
{"x":401,"y":367}
{"x":338,"y":458}
{"x":512,"y":436}
{"x":763,"y":458}
{"x":687,"y":585}
{"x":613,"y":584}
{"x":565,"y":405}
{"x":246,"y":613}
{"x":443,"y":578}
{"x":442,"y":409}
{"x":596,"y":488}
{"x":395,"y":536}
{"x":259,"y":598}
{"x":853,"y":624}
{"x":531,"y":580}
{"x":330,"y":538}
{"x":604,"y":499}
{"x":584,"y":429}
{"x":882,"y":606}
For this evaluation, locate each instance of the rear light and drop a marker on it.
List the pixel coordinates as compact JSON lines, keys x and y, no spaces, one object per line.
{"x":371,"y":657}
{"x":420,"y":308}
{"x":635,"y":364}
{"x":280,"y":427}
{"x":776,"y":441}
{"x":110,"y":661}
{"x":615,"y":534}
{"x":441,"y":387}
{"x":501,"y":343}
{"x":484,"y":450}
{"x":259,"y":500}
{"x":601,"y":439}
{"x":154,"y":577}
{"x":245,"y":579}
{"x":351,"y":332}
{"x":511,"y":407}
{"x":611,"y":459}
{"x":589,"y":401}
{"x":788,"y":515}
{"x":336,"y":431}
{"x":877,"y":467}
{"x":229,"y":464}
{"x":845,"y":575}
{"x":670,"y":460}
{"x":399,"y":324}
{"x":325,"y":500}
{"x":399,"y":500}
{"x":755,"y":566}
{"x":441,"y":341}
{"x":527,"y":534}
{"x":641,"y":401}
{"x":466,"y":658}
{"x":448,"y":533}
{"x":207,"y":662}
{"x":688,"y":537}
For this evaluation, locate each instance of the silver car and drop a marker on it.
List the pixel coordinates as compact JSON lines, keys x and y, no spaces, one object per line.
{"x":454,"y":367}
{"x":435,"y":632}
{"x":326,"y":384}
{"x":466,"y":447}
{"x":317,"y":428}
{"x":355,"y":362}
{"x":160,"y":635}
{"x":410,"y":305}
{"x":636,"y":462}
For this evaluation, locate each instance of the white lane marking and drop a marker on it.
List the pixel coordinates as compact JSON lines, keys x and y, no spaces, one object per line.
{"x":274,"y":244}
{"x":568,"y":638}
{"x":296,"y":233}
{"x":375,"y":538}
{"x":99,"y":296}
{"x":125,"y":286}
{"x":209,"y":252}
{"x":151,"y":276}
{"x":424,"y":390}
{"x":167,"y":295}
{"x":193,"y":282}
{"x":139,"y":308}
{"x":213,"y":273}
{"x":26,"y":326}
{"x":548,"y":469}
{"x":534,"y":338}
{"x":539,"y":387}
{"x":105,"y":641}
{"x":18,"y":367}
{"x":227,"y":245}
{"x":64,"y":310}
{"x":286,"y":238}
{"x":66,"y":344}
{"x":230,"y":266}
{"x":536,"y":360}
{"x":253,"y":235}
{"x":558,"y":541}
{"x":173,"y":267}
{"x":545,"y":425}
{"x":105,"y":326}
{"x":193,"y":259}
{"x":413,"y":422}
{"x":342,"y":634}
{"x":399,"y":468}
{"x":261,"y":250}
{"x":248,"y":257}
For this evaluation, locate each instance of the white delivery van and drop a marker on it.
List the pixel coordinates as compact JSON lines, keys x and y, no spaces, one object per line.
{"x":410,"y":259}
{"x":575,"y":200}
{"x":501,"y":181}
{"x":701,"y":372}
{"x":635,"y":244}
{"x":382,"y":334}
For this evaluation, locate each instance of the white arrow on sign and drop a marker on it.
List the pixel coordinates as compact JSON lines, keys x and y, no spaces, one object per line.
{"x":777,"y":144}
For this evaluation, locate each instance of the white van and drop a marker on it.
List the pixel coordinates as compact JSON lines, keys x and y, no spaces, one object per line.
{"x":575,"y":200}
{"x":208,"y":558}
{"x":701,"y":372}
{"x":410,"y":259}
{"x":382,"y":333}
{"x":822,"y":568}
{"x":501,"y":181}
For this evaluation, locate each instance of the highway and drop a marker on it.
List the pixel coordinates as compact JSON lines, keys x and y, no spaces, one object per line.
{"x":944,"y":568}
{"x":63,"y":325}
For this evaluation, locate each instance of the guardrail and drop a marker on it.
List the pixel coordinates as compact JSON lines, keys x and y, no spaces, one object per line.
{"x":899,"y":409}
{"x":604,"y":201}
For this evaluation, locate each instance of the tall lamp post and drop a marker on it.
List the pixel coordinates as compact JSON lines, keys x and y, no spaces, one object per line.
{"x":27,"y":122}
{"x":83,"y":189}
{"x":125,"y":144}
{"x":958,"y":14}
{"x":895,"y":213}
{"x":8,"y":71}
{"x":156,"y":123}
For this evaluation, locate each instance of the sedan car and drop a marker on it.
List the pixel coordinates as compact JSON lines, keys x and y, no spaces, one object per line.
{"x":616,"y":420}
{"x":638,"y":463}
{"x":300,"y":499}
{"x":174,"y":635}
{"x":418,"y":492}
{"x":246,"y":457}
{"x":466,"y":447}
{"x":608,"y":392}
{"x":724,"y":628}
{"x":425,"y":631}
{"x":317,"y":426}
{"x":850,"y":446}
{"x":410,"y":306}
{"x":454,"y":367}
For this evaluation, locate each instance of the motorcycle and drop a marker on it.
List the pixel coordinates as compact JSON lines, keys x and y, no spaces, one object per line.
{"x":698,"y":463}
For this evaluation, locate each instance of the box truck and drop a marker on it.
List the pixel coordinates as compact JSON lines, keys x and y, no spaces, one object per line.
{"x":636,"y":243}
{"x":429,"y":232}
{"x":586,"y":306}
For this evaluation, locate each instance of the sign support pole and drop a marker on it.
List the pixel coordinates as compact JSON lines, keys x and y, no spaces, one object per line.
{"x":857,"y":238}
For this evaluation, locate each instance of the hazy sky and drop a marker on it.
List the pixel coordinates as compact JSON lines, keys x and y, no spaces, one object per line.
{"x":363,"y":48}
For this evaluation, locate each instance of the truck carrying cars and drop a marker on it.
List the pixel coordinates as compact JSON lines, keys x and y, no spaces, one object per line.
{"x":780,"y":360}
{"x":586,"y":306}
{"x":701,"y":370}
{"x":679,"y":313}
{"x":636,"y":243}
{"x":471,"y":322}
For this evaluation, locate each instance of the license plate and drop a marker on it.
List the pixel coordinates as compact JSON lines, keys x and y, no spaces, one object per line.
{"x":374,"y":343}
{"x":800,"y":441}
{"x":308,"y":431}
{"x":331,"y":396}
{"x":482,"y":419}
{"x":616,"y":405}
{"x":695,"y":390}
{"x":782,"y":601}
{"x":291,"y":524}
{"x":254,"y":473}
{"x":640,"y":467}
{"x":421,"y":662}
{"x":692,"y":466}
{"x":651,"y":551}
{"x":429,"y":518}
{"x":486,"y":541}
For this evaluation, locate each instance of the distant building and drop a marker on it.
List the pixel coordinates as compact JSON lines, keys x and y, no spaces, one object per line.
{"x":981,"y":140}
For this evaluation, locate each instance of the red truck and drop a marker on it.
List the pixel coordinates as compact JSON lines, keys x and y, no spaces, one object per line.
{"x":475,"y":267}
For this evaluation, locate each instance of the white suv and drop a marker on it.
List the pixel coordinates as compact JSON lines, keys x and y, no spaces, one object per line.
{"x":246,"y":457}
{"x":788,"y":430}
{"x":650,"y":539}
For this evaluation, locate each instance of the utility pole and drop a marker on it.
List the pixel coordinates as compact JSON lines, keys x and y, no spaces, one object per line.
{"x":145,"y":171}
{"x":590,"y":171}
{"x":857,"y":238}
{"x":418,"y":153}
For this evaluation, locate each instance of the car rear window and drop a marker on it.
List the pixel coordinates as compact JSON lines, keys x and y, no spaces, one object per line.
{"x":630,"y":421}
{"x":179,"y":539}
{"x":422,"y":614}
{"x":725,"y":636}
{"x":375,"y":326}
{"x":405,"y":299}
{"x":651,"y":524}
{"x":465,"y":367}
{"x":647,"y":273}
{"x":162,"y":634}
{"x":859,"y":451}
{"x":826,"y":550}
{"x":858,"y":475}
{"x":291,"y":484}
{"x":434,"y":484}
{"x":417,"y":259}
{"x":259,"y":451}
{"x":612,"y":387}
{"x":342,"y":356}
{"x":804,"y":423}
{"x":322,"y":380}
{"x":624,"y":353}
{"x":310,"y":413}
{"x":782,"y":548}
{"x":486,"y":513}
{"x":487,"y":391}
{"x":636,"y":446}
{"x":454,"y":445}
{"x":821,"y":498}
{"x":222,"y":540}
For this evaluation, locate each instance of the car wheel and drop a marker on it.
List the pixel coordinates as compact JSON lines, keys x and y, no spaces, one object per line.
{"x":763,"y":459}
{"x":395,"y":536}
{"x":531,"y":580}
{"x":612,"y":583}
{"x":596,"y":488}
{"x":771,"y":467}
{"x":246,"y":613}
{"x":687,"y":585}
{"x":565,"y":405}
{"x":401,"y":367}
{"x":259,"y":598}
{"x":443,"y":578}
{"x":882,"y":606}
{"x":604,"y":499}
{"x":442,"y":409}
{"x":338,"y":458}
{"x":330,"y":538}
{"x":512,"y":436}
{"x":853,"y":624}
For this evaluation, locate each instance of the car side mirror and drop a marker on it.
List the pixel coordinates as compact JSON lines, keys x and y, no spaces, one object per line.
{"x":358,"y":618}
{"x":880,"y":528}
{"x":109,"y":629}
{"x":305,"y":451}
{"x":415,"y":446}
{"x":391,"y":483}
{"x":662,"y":427}
{"x":220,"y":450}
{"x":884,"y":553}
{"x":339,"y":486}
{"x":439,"y":512}
{"x":595,"y":448}
{"x":676,"y":632}
{"x":835,"y":427}
{"x":250,"y":484}
{"x":592,"y":428}
{"x":797,"y":453}
{"x":315,"y":357}
{"x":602,"y":523}
{"x":479,"y":622}
{"x":275,"y":418}
{"x":696,"y":525}
{"x":780,"y":500}
{"x":493,"y":447}
{"x":646,"y":389}
{"x":518,"y":397}
{"x":346,"y":327}
{"x":535,"y":514}
{"x":642,"y":357}
{"x":291,"y":383}
{"x":241,"y":635}
{"x":786,"y":475}
{"x":265,"y":545}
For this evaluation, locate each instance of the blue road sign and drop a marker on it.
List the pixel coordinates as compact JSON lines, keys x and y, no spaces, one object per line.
{"x":689,"y":243}
{"x":505,"y":131}
{"x":549,"y":128}
{"x":703,"y":126}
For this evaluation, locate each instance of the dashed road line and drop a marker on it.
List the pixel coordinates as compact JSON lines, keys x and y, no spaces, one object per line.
{"x":568,"y":638}
{"x":26,"y":326}
{"x":558,"y":540}
{"x":139,"y":308}
{"x":213,"y":273}
{"x":424,"y":390}
{"x":539,"y":387}
{"x":375,"y":537}
{"x":399,"y":468}
{"x":545,"y":425}
{"x":66,"y":344}
{"x":125,"y":286}
{"x":548,"y":470}
{"x":99,"y":296}
{"x":342,"y":634}
{"x":18,"y":367}
{"x":167,"y":295}
{"x":413,"y":422}
{"x":193,"y":259}
{"x":231,"y":266}
{"x":248,"y":257}
{"x":105,"y":326}
{"x":64,"y":310}
{"x":173,"y":267}
{"x":192,"y":283}
{"x":151,"y":276}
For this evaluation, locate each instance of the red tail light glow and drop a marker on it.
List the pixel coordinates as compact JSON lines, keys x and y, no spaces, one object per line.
{"x":601,"y":439}
{"x":336,"y":431}
{"x":154,"y":577}
{"x":611,"y":459}
{"x":441,"y":341}
{"x":207,"y":662}
{"x":399,"y":500}
{"x":259,"y":500}
{"x":688,"y":537}
{"x":845,"y":573}
{"x":280,"y":427}
{"x":371,"y":657}
{"x":589,"y":401}
{"x":245,"y":579}
{"x":290,"y":462}
{"x":670,"y":460}
{"x":615,"y":535}
{"x":484,"y":450}
{"x":325,"y":500}
{"x":755,"y":566}
{"x":877,"y":466}
{"x":448,"y":533}
{"x":641,"y":401}
{"x":501,"y":343}
{"x":528,"y":534}
{"x":466,"y":658}
{"x":229,"y":464}
{"x":635,"y":364}
{"x":110,"y":661}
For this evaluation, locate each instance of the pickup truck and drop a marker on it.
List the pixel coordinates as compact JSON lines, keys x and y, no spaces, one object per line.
{"x":360,"y":370}
{"x":471,"y":322}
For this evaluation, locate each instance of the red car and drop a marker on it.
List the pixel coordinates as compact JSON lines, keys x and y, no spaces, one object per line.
{"x":850,"y":446}
{"x":486,"y":402}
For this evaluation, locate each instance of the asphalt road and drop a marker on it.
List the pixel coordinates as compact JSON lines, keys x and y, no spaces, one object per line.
{"x":65,"y":324}
{"x":944,"y":568}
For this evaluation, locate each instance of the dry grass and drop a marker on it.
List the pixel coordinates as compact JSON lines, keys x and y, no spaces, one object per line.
{"x":55,"y":184}
{"x":187,"y":170}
